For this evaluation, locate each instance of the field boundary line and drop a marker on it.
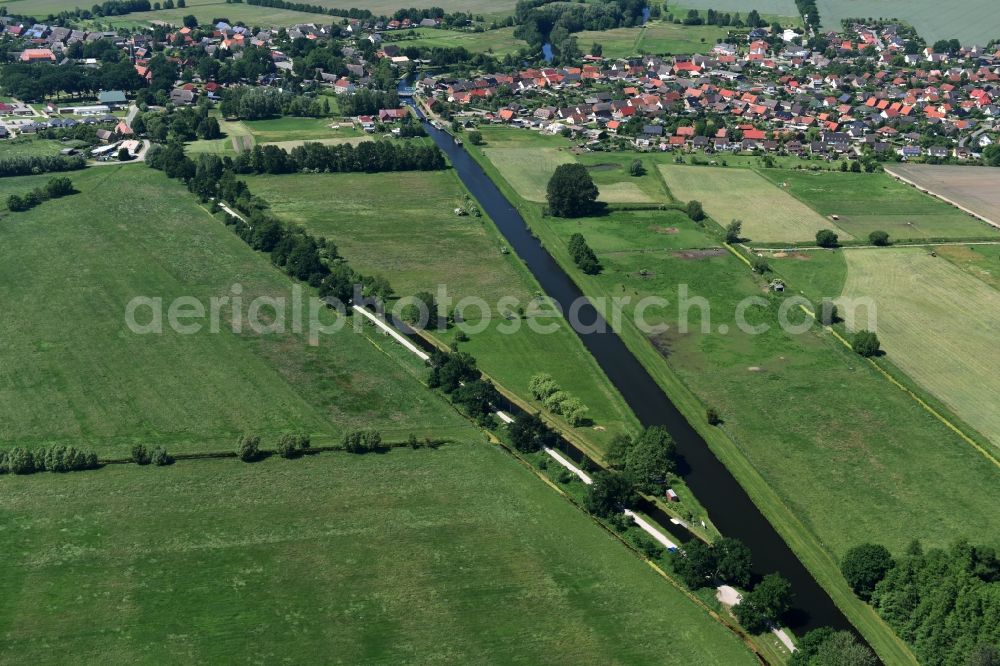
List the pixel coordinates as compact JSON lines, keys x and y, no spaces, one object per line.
{"x":920,"y":401}
{"x":942,"y":198}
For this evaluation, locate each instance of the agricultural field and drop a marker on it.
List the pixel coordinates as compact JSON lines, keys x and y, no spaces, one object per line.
{"x":656,"y":37}
{"x":875,"y":445}
{"x":765,"y":7}
{"x":980,"y":261}
{"x":83,"y":377}
{"x":968,"y":21}
{"x":290,"y":128}
{"x":204,"y":10}
{"x":769,"y":213}
{"x":403,"y":226}
{"x":456,"y":555}
{"x":975,"y":188}
{"x":865,"y":202}
{"x":528,"y":160}
{"x":499,"y":41}
{"x":938,"y":324}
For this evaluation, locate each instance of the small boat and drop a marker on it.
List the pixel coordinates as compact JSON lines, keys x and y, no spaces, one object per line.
{"x":458,"y":142}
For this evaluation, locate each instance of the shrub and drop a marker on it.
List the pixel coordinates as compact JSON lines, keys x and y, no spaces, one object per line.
{"x":292,"y":445}
{"x":542,"y":385}
{"x":712,"y":416}
{"x":733,"y":231}
{"x":160,"y":457}
{"x":879,"y":238}
{"x":553,"y":402}
{"x":826,"y":238}
{"x":140,"y":455}
{"x":574,"y":411}
{"x":826,"y":313}
{"x":248,"y":447}
{"x":866,"y":343}
{"x":695,"y":211}
{"x":475,"y":137}
{"x":362,"y":441}
{"x":636,"y":168}
{"x":760,"y":265}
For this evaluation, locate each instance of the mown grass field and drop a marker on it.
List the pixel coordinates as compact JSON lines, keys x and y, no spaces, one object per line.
{"x":865,"y":202}
{"x":453,"y":555}
{"x":975,"y":188}
{"x":656,"y":37}
{"x":73,"y":372}
{"x":938,"y":324}
{"x":500,"y":41}
{"x":768,"y":212}
{"x":967,"y":21}
{"x":29,"y":146}
{"x":528,"y":160}
{"x":402,"y":226}
{"x":980,"y":261}
{"x":816,"y":436}
{"x":773,"y":7}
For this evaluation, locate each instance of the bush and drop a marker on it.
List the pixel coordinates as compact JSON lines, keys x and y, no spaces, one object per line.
{"x":695,"y":211}
{"x":733,"y":231}
{"x":542,"y":386}
{"x":583,"y":255}
{"x":712,"y":416}
{"x":160,"y":457}
{"x":57,"y":458}
{"x":362,"y":441}
{"x":248,"y":448}
{"x":648,"y":547}
{"x":292,"y":445}
{"x":760,"y":265}
{"x":879,"y":238}
{"x":140,"y":455}
{"x":826,"y":238}
{"x":827,"y":313}
{"x":609,"y":494}
{"x":529,"y":433}
{"x":866,"y":343}
{"x":636,"y":168}
{"x":864,"y":566}
{"x":475,"y":137}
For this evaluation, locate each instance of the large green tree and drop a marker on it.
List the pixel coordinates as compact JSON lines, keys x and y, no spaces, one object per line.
{"x":571,"y":191}
{"x":864,"y":566}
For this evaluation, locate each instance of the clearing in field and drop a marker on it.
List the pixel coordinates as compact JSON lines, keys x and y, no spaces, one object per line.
{"x":969,"y":21}
{"x":938,"y":324}
{"x":527,"y":161}
{"x":656,"y":37}
{"x":73,"y":372}
{"x":769,"y":214}
{"x":500,"y":41}
{"x":865,"y":202}
{"x":975,"y":188}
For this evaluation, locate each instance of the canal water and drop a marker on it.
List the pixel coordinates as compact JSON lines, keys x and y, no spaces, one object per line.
{"x":725,"y":500}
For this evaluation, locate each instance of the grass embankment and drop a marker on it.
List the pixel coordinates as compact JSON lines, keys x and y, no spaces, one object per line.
{"x":82,"y":377}
{"x":456,"y":554}
{"x":817,"y":437}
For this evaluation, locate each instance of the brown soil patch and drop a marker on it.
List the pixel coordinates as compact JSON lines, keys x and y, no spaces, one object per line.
{"x":699,"y":254}
{"x":664,"y":230}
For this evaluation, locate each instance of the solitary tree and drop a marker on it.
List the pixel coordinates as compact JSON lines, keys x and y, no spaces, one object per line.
{"x":826,"y":238}
{"x":880,"y":238}
{"x":248,"y":447}
{"x":695,"y":211}
{"x":571,"y":191}
{"x":864,"y":566}
{"x":866,"y":343}
{"x":636,"y":168}
{"x":764,"y":604}
{"x":650,"y":458}
{"x":733,"y":230}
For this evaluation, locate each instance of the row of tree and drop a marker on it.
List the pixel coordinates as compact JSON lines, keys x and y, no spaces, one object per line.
{"x":545,"y":389}
{"x":56,"y":458}
{"x":583,"y":256}
{"x":35,"y":81}
{"x":54,"y":189}
{"x":255,"y":102}
{"x":367,"y":156}
{"x":943,"y":602}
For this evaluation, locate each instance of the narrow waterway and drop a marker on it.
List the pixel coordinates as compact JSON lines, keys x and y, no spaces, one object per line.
{"x":725,"y":500}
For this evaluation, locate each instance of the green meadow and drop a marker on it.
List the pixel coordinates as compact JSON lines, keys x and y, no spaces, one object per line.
{"x":403,"y":226}
{"x":75,"y":372}
{"x":865,"y":202}
{"x":816,"y":435}
{"x":458,"y":554}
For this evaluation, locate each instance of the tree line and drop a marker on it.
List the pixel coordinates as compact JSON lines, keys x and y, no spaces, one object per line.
{"x":254,"y":102}
{"x":945,"y":602}
{"x":367,"y":156}
{"x":54,"y":189}
{"x":56,"y":458}
{"x":34,"y":81}
{"x":26,"y":165}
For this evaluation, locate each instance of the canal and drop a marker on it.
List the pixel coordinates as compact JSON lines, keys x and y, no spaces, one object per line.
{"x":726,"y":501}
